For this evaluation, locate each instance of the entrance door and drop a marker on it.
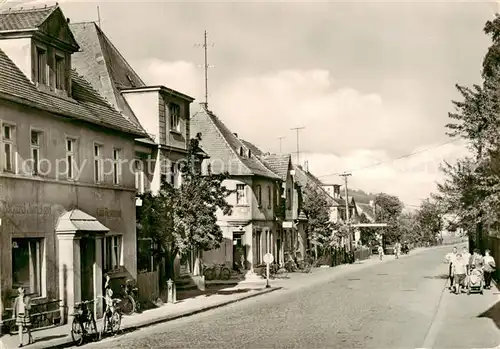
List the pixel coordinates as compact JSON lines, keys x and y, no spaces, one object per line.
{"x":87,"y":259}
{"x":239,"y":251}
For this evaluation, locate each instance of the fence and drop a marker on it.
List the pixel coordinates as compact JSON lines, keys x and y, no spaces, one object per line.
{"x":149,"y":285}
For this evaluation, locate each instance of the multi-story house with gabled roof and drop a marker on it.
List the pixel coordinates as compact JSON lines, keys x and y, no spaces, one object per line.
{"x":67,"y":197}
{"x":161,"y":111}
{"x":250,"y":230}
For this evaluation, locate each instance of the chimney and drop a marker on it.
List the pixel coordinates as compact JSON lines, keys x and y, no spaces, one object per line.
{"x":372,"y":205}
{"x":235,"y":134}
{"x":67,"y":20}
{"x":306,"y":166}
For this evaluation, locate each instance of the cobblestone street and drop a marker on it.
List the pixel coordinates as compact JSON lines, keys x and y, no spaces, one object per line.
{"x":395,"y":304}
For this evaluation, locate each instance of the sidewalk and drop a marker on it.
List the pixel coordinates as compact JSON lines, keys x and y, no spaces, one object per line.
{"x":60,"y":336}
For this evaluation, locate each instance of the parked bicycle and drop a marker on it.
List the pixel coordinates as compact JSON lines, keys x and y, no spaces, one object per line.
{"x":83,"y":324}
{"x":217,"y":272}
{"x":130,"y":303}
{"x":112,"y":318}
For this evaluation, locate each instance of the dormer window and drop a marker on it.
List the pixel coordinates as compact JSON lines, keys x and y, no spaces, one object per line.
{"x":249,"y":153}
{"x":41,"y":66}
{"x":59,"y":72}
{"x":242,"y":151}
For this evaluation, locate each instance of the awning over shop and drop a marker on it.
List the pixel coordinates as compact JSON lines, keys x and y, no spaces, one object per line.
{"x":77,"y":220}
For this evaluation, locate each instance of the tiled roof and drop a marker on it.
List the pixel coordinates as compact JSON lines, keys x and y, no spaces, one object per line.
{"x":307,"y":183}
{"x":100,"y":62}
{"x":223,"y":147}
{"x":86,"y":104}
{"x":278,"y":163}
{"x":367,"y":210}
{"x":252,"y":147}
{"x":24,"y":19}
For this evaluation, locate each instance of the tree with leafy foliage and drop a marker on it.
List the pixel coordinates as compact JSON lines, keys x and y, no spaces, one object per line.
{"x":367,"y":234}
{"x":429,"y":217}
{"x":389,"y":209}
{"x":317,"y":211}
{"x":184,"y":219}
{"x":472,"y":185}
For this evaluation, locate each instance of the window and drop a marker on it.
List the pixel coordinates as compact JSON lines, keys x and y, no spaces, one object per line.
{"x":289,"y":199}
{"x":8,"y":138}
{"x":242,"y":151}
{"x":70,"y":158}
{"x":172,"y":174}
{"x":59,"y":71}
{"x":98,"y":171}
{"x":27,"y":265}
{"x":41,"y":66}
{"x":269,"y":197}
{"x":117,"y":171}
{"x":258,"y":192}
{"x":139,"y":176}
{"x":241,"y":198}
{"x":175,"y":113}
{"x":35,"y":151}
{"x":112,"y":252}
{"x":258,"y":247}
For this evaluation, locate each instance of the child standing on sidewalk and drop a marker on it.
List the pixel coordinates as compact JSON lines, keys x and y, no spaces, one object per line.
{"x":489,"y":267}
{"x":22,"y":307}
{"x":459,"y":272}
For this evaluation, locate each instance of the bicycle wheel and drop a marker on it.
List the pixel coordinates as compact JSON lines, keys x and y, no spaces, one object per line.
{"x":209,"y":274}
{"x":115,"y":322}
{"x":76,"y":332}
{"x":225,"y":273}
{"x":127,"y":305}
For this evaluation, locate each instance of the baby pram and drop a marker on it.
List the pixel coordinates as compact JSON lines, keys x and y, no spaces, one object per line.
{"x":475,"y":281}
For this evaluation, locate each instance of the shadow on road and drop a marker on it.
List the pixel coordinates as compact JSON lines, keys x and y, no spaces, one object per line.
{"x":493,"y":313}
{"x":437,"y":277}
{"x":213,"y":290}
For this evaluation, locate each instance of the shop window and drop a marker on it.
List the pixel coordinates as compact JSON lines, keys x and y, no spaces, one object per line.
{"x":112,"y":252}
{"x":27,"y":265}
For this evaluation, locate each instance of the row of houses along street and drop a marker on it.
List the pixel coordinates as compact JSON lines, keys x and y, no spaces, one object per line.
{"x":82,"y":135}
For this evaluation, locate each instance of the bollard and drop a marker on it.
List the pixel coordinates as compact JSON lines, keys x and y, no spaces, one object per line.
{"x":172,"y":292}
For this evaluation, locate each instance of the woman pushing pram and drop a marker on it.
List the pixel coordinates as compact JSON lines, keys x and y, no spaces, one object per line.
{"x":468,"y":275}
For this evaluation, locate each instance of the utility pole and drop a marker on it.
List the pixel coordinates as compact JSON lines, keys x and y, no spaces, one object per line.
{"x":98,"y":18}
{"x":297,"y":129}
{"x":345,"y":175}
{"x":281,"y":138}
{"x":206,"y":65}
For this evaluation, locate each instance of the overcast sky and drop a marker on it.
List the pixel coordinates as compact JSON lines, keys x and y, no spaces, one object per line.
{"x":369,"y":81}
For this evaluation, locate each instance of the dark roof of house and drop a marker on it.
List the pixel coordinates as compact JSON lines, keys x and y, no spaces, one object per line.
{"x":100,"y":62}
{"x":278,"y":163}
{"x":25,"y":19}
{"x":253,"y":148}
{"x":367,"y":210}
{"x":307,"y":183}
{"x":85,"y":103}
{"x":223,"y":147}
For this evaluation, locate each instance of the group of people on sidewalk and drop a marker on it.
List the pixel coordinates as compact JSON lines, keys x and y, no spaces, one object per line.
{"x":461,"y":264}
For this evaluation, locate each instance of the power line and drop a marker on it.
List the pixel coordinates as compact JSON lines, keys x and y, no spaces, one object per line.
{"x":394,"y":159}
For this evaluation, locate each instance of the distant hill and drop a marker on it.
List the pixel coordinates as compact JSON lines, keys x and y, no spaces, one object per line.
{"x":360,"y":196}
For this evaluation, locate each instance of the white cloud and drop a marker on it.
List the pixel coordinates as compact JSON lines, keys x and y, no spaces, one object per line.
{"x":346,"y":129}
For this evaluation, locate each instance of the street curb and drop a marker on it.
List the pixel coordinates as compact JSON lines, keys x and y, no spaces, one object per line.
{"x":168,"y":318}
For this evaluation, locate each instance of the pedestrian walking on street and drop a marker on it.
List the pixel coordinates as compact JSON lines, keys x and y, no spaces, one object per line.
{"x":397,"y":250}
{"x":380,"y":252}
{"x":459,"y":272}
{"x":476,"y":260}
{"x":489,"y":267}
{"x":466,"y":257}
{"x":22,"y":307}
{"x":450,"y":258}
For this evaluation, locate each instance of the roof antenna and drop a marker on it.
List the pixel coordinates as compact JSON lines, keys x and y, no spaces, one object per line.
{"x":98,"y":17}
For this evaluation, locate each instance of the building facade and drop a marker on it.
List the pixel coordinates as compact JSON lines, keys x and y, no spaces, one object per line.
{"x":67,"y":190}
{"x":250,"y":230}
